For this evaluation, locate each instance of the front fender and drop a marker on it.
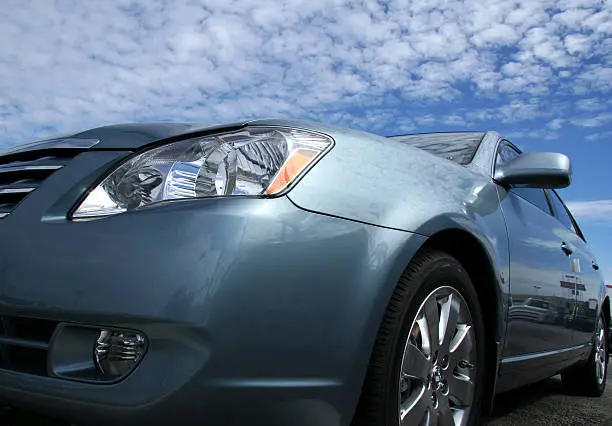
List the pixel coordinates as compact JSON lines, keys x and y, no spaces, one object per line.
{"x":375,"y":180}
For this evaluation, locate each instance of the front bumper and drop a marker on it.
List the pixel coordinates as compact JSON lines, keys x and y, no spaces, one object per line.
{"x":256,"y":312}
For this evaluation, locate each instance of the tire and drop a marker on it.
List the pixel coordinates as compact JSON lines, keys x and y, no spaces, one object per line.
{"x":587,"y":379}
{"x":431,"y":276}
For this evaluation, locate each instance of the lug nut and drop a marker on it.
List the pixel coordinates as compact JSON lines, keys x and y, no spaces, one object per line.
{"x":465,"y":364}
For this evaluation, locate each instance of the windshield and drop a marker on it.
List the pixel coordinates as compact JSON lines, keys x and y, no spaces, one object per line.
{"x":459,"y":147}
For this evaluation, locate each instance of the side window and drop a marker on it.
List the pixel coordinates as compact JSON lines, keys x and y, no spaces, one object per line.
{"x":505,"y":153}
{"x":561,"y":212}
{"x":535,"y":196}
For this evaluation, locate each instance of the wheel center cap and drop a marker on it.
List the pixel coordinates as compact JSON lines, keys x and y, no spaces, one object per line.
{"x":436,"y":378}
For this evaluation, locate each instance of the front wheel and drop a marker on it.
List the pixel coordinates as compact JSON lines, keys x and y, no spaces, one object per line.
{"x":427,"y":367}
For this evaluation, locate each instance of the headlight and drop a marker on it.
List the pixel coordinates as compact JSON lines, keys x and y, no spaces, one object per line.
{"x":252,"y":161}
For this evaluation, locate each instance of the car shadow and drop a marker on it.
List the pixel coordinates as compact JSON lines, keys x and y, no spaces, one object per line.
{"x":510,"y":401}
{"x":18,"y":417}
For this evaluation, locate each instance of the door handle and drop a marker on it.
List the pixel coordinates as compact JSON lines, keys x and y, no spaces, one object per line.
{"x":566,"y":249}
{"x":595,"y":265}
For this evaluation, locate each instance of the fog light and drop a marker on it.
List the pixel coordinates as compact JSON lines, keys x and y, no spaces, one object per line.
{"x":117,"y":351}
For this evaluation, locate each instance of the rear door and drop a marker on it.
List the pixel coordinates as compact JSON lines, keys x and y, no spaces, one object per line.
{"x":585,"y":281}
{"x":538,"y":302}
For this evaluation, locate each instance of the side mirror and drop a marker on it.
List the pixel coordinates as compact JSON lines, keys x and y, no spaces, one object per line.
{"x":536,"y":170}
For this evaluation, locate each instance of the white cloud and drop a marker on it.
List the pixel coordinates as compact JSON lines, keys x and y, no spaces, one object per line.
{"x":595,"y":78}
{"x":593,"y":121}
{"x":555,"y":124}
{"x":591,"y":210}
{"x":577,"y":43}
{"x":454,"y":120}
{"x":497,"y":34}
{"x":590,"y":104}
{"x":66,"y":66}
{"x":572,"y":18}
{"x":599,"y":136}
{"x":425,"y":120}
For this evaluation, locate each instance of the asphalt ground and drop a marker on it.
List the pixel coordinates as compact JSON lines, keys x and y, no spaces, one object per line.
{"x":544,"y":403}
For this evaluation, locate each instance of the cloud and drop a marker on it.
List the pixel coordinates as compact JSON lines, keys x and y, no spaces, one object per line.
{"x":599,"y":136}
{"x":593,"y":121}
{"x":555,"y":124}
{"x":590,"y":104}
{"x":595,"y":78}
{"x":591,"y":210}
{"x":388,"y":66}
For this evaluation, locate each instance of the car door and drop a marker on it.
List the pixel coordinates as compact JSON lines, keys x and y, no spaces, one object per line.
{"x":538,"y":303}
{"x":585,"y":281}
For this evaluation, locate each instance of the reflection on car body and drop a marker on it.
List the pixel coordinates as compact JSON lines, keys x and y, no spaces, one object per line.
{"x":533,"y":309}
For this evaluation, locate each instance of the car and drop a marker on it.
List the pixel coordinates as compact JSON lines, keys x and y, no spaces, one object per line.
{"x":284,"y":272}
{"x":534,"y":309}
{"x":609,"y":289}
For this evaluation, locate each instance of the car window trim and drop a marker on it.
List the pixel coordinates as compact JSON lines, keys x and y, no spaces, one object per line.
{"x":500,"y":145}
{"x":576,"y":229}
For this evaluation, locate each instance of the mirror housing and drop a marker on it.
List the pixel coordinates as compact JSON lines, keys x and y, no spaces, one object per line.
{"x":536,"y":170}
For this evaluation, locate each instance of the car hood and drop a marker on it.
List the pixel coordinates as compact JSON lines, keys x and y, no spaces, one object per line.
{"x":116,"y":137}
{"x":133,"y":136}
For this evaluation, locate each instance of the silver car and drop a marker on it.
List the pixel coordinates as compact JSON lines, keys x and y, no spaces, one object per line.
{"x":277,"y":272}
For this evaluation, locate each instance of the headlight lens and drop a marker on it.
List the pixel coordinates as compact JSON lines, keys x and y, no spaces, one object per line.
{"x":252,"y":161}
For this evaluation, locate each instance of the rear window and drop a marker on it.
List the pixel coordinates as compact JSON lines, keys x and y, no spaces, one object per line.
{"x":459,"y":147}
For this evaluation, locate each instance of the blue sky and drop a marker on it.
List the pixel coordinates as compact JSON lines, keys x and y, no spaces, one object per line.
{"x":539,"y":71}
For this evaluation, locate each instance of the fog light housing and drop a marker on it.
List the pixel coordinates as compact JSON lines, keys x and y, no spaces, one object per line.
{"x":117,"y":351}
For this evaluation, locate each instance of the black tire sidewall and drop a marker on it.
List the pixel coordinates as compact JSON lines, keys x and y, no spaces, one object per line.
{"x":439,"y":271}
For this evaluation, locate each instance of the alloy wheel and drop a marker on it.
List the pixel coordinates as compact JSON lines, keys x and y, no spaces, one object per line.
{"x":439,"y":362}
{"x":600,"y":352}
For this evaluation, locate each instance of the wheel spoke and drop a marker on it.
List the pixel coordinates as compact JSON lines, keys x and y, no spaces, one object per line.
{"x":599,"y":371}
{"x":462,"y":345}
{"x":414,"y":364}
{"x":416,"y":412}
{"x":449,"y":314}
{"x":438,"y":363}
{"x":432,"y":317}
{"x":443,"y":412}
{"x":461,"y":390}
{"x":432,"y":418}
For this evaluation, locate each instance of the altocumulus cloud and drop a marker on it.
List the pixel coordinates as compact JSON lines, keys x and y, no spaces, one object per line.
{"x":380,"y":65}
{"x":600,"y":210}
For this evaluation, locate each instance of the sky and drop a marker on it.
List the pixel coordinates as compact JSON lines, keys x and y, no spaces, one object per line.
{"x":538,"y":71}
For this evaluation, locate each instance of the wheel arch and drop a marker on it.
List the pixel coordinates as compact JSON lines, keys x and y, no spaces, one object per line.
{"x":479,"y":261}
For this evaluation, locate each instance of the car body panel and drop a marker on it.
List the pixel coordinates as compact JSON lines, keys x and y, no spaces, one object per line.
{"x":587,"y":293}
{"x":537,"y":271}
{"x":608,"y":290}
{"x":198,"y":302}
{"x":538,"y":346}
{"x":138,"y":135}
{"x":383,"y":192}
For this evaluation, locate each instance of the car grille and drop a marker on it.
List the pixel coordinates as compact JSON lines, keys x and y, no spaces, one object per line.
{"x":23,"y":169}
{"x":24,"y":344}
